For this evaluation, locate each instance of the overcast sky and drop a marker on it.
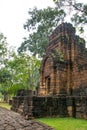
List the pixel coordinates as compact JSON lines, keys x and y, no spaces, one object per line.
{"x":14,"y":13}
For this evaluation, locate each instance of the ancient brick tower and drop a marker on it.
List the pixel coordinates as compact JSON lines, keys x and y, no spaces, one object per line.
{"x":63,"y":78}
{"x":64,"y":67}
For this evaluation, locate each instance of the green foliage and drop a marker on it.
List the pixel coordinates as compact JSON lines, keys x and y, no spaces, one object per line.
{"x":80,"y":40}
{"x":17,"y":71}
{"x":79,"y":18}
{"x":40,"y":24}
{"x":63,"y":3}
{"x":65,"y":123}
{"x":57,"y":55}
{"x":48,"y":17}
{"x":5,"y":79}
{"x":24,"y":70}
{"x":3,"y":49}
{"x":77,"y":10}
{"x":4,"y":75}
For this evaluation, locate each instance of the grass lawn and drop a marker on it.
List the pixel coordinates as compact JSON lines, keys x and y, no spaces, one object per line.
{"x":65,"y":123}
{"x":5,"y":105}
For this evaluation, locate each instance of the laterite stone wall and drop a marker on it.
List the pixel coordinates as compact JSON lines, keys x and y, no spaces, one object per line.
{"x":63,"y":79}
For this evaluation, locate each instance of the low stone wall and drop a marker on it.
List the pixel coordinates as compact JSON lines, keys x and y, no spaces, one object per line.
{"x":48,"y":106}
{"x":16,"y":102}
{"x":81,"y":107}
{"x":77,"y":106}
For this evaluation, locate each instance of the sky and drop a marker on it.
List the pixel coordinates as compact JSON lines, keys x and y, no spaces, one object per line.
{"x":14,"y":13}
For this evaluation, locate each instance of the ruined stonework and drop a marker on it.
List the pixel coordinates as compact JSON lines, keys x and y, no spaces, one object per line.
{"x":64,"y":67}
{"x":63,"y":78}
{"x":64,"y":70}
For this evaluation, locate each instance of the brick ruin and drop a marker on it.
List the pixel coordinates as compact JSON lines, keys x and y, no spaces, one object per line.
{"x":63,"y":78}
{"x":64,"y":72}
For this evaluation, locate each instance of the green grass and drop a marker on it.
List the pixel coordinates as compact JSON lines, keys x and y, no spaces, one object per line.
{"x":5,"y":105}
{"x":65,"y":123}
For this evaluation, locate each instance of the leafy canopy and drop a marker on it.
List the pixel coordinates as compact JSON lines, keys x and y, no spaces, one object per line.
{"x":24,"y":70}
{"x":40,"y":24}
{"x":3,"y":49}
{"x":77,"y":10}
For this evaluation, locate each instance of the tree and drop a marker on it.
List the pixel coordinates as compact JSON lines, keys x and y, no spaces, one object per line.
{"x":78,"y":11}
{"x":24,"y":70}
{"x":40,"y":24}
{"x":3,"y":49}
{"x":4,"y":73}
{"x":17,"y":71}
{"x":5,"y":78}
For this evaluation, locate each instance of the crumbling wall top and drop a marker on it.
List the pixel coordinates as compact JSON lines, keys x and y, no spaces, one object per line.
{"x":63,"y":29}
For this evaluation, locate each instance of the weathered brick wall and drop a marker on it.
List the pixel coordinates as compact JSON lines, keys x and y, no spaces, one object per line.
{"x":49,"y":106}
{"x":63,"y":78}
{"x":67,"y":76}
{"x":80,"y":80}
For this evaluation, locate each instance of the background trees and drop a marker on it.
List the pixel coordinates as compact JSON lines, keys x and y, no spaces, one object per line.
{"x":3,"y":50}
{"x":4,"y":73}
{"x":24,"y":71}
{"x":41,"y":22}
{"x":17,"y":71}
{"x":77,"y":10}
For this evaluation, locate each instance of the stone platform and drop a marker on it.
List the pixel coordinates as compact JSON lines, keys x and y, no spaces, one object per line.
{"x":10,"y":120}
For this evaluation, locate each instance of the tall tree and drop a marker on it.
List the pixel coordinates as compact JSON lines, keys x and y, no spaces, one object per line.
{"x":5,"y":79}
{"x":40,"y":24}
{"x":4,"y":73}
{"x":77,"y":10}
{"x":24,"y":70}
{"x":3,"y":49}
